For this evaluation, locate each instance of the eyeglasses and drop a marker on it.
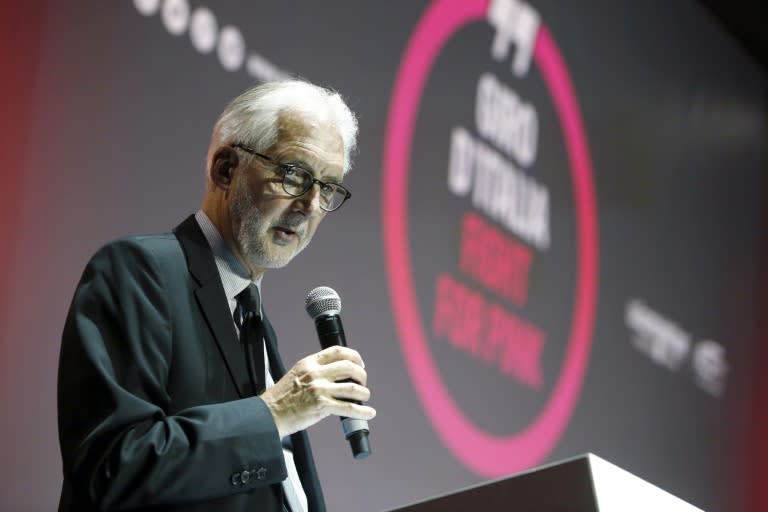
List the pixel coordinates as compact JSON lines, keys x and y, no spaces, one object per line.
{"x":297,"y":181}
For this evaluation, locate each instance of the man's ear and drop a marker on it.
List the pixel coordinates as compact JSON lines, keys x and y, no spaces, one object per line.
{"x":223,"y":163}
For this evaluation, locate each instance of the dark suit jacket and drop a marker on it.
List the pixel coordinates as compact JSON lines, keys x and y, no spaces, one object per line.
{"x":154,"y":412}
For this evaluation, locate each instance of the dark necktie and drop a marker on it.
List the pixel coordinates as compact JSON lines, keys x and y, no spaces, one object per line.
{"x":248,"y":312}
{"x":252,"y":336}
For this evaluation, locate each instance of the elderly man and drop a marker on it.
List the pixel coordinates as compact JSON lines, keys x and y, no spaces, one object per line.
{"x":159,"y":408}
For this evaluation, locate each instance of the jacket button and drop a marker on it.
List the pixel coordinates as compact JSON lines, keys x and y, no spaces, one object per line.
{"x":261,"y":473}
{"x":235,"y":479}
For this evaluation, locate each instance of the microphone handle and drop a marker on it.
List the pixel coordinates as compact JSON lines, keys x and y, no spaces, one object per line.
{"x":331,"y":333}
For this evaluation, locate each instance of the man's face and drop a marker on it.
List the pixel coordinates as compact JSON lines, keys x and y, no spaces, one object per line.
{"x":270,"y":226}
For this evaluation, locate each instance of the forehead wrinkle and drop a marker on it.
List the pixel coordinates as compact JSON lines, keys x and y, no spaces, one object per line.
{"x":300,"y":137}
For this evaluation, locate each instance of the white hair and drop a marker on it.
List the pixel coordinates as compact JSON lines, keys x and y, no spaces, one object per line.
{"x":252,"y":117}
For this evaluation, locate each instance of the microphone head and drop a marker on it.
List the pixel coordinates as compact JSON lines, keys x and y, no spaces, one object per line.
{"x":322,"y":301}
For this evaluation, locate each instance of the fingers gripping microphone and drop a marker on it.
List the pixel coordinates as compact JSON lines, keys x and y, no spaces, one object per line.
{"x":323,"y":305}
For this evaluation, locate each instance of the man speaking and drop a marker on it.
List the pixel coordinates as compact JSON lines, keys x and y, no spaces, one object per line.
{"x":171,"y":393}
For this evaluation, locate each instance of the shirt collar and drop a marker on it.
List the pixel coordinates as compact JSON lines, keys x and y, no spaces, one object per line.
{"x":234,"y":276}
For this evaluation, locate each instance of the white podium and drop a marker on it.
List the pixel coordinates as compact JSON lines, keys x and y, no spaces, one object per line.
{"x":585,"y":483}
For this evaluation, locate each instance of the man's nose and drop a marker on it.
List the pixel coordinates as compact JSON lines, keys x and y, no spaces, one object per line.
{"x":309,"y":201}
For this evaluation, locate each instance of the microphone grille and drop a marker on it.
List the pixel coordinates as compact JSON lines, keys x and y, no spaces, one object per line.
{"x":322,"y":300}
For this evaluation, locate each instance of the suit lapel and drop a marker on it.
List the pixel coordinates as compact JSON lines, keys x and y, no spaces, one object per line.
{"x":212,"y":299}
{"x":276,"y":367}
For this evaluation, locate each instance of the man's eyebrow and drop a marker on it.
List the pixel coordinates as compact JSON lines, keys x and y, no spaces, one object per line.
{"x":304,"y":165}
{"x":298,"y":163}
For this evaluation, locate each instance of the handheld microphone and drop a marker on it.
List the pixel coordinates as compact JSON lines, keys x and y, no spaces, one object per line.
{"x":323,"y":305}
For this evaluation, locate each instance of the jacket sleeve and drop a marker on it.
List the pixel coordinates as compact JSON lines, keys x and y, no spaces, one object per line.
{"x":121,"y":446}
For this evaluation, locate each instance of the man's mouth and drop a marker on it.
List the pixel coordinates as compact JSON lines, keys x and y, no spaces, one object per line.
{"x":284,"y":230}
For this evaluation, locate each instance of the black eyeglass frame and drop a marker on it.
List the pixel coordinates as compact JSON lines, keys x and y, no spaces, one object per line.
{"x":347,"y":194}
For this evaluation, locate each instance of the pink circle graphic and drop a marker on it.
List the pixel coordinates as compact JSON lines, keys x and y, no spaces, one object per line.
{"x":486,"y":454}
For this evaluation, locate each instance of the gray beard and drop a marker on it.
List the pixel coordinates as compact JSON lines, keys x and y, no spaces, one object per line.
{"x":252,"y":233}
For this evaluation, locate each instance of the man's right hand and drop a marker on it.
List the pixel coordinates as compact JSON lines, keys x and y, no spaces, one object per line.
{"x":312,"y":389}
